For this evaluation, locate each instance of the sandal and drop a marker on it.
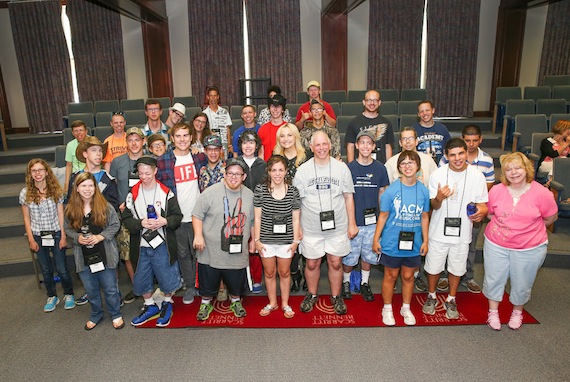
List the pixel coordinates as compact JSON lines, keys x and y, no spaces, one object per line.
{"x":288,"y":312}
{"x":118,"y":323}
{"x":90,"y":325}
{"x":267,"y":310}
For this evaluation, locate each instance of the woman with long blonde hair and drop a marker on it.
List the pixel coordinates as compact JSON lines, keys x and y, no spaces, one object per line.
{"x":42,"y":209}
{"x":92,"y":223}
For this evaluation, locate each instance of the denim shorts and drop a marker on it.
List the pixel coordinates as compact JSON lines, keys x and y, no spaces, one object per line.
{"x":361,"y":247}
{"x":156,"y":263}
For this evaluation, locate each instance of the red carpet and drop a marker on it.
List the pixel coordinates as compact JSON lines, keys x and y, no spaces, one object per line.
{"x":472,"y":309}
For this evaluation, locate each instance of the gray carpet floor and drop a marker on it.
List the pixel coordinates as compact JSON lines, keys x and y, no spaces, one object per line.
{"x":54,"y":346}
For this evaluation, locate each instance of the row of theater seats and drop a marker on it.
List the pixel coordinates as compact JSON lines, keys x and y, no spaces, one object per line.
{"x":341,"y":96}
{"x":138,"y":117}
{"x":125,"y":104}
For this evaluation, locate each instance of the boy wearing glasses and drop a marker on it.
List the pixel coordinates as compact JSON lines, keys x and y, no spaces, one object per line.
{"x":213,"y":171}
{"x":371,"y":120}
{"x":154,"y":125}
{"x":317,"y":123}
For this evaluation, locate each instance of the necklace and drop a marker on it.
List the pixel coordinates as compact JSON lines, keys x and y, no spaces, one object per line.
{"x":517,"y":193}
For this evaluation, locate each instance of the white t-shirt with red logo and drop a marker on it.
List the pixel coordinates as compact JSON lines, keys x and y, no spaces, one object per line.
{"x":186,"y":178}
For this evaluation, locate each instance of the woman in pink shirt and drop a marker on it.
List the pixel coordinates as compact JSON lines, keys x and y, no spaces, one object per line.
{"x":520,"y":209}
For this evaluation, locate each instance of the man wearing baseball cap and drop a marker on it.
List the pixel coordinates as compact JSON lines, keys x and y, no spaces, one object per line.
{"x":123,"y":170}
{"x":225,"y":207}
{"x":213,"y":171}
{"x":176,"y":114}
{"x":304,"y":113}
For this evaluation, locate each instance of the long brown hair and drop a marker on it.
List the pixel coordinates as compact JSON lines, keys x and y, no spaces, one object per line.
{"x":272,"y":161}
{"x":205,"y":132}
{"x":53,"y":189}
{"x":74,"y":210}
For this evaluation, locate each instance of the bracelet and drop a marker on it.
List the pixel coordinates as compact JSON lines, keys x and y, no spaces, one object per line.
{"x":256,"y":240}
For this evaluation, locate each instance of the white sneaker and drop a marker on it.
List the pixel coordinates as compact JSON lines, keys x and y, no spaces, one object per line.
{"x":409,"y":318}
{"x":388,"y":317}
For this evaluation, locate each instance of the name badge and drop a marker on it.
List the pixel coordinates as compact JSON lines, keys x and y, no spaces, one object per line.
{"x":235,"y":244}
{"x":102,"y":186}
{"x":370,"y":216}
{"x":47,"y":239}
{"x":279,"y":224}
{"x":153,"y":238}
{"x":452,"y":227}
{"x":373,"y":155}
{"x":97,"y":267}
{"x":327,"y":220}
{"x":406,"y":241}
{"x":95,"y":262}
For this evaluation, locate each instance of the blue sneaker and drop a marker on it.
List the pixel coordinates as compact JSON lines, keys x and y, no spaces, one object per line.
{"x":256,"y":288}
{"x":150,"y":312}
{"x":51,"y":303}
{"x":84,"y":299}
{"x":69,"y":301}
{"x":166,"y":314}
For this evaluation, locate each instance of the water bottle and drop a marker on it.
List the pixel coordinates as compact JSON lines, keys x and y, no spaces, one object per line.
{"x":86,"y":233}
{"x":471,"y":209}
{"x":151,"y":212}
{"x":56,"y":279}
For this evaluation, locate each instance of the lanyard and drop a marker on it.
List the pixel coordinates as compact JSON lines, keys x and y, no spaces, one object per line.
{"x":317,"y":184}
{"x":462,"y":192}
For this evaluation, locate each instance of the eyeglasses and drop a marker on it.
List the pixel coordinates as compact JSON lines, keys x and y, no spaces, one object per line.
{"x":179,"y":114}
{"x":317,"y":109}
{"x":372,"y":100}
{"x":38,"y":171}
{"x":153,"y":109}
{"x":234,"y":174}
{"x":200,"y":121}
{"x":157,"y":144}
{"x":405,"y":139}
{"x":407,"y":164}
{"x":118,"y":113}
{"x":213,"y":148}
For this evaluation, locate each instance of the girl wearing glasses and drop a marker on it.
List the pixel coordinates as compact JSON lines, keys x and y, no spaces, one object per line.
{"x":401,"y":235}
{"x":42,"y":209}
{"x":200,"y":130}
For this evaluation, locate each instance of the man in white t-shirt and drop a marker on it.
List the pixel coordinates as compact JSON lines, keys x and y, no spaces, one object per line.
{"x":452,"y":187}
{"x":178,"y":170}
{"x":219,"y":119}
{"x":327,"y":218}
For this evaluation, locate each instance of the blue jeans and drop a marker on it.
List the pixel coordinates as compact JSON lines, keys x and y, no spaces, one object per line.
{"x":60,"y":265}
{"x":93,"y":283}
{"x":156,"y":262}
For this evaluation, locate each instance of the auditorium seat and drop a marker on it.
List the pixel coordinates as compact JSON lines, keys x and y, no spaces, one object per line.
{"x":407,"y":107}
{"x":293,"y":109}
{"x":330,"y":96}
{"x":351,"y":108}
{"x":102,"y":132}
{"x":561,"y":184}
{"x":525,"y":126}
{"x":413,"y":95}
{"x":135,"y":117}
{"x":557,"y":80}
{"x":103,"y":118}
{"x":132,"y":104}
{"x":87,"y":118}
{"x":408,"y":120}
{"x":550,"y":106}
{"x":393,"y":118}
{"x":342,"y":123}
{"x":535,"y":154}
{"x":302,"y":97}
{"x":562,"y":92}
{"x":68,"y":136}
{"x":389,"y":108}
{"x":556,"y":117}
{"x":513,"y":108}
{"x":188,"y":101}
{"x":80,"y":107}
{"x":356,"y":95}
{"x":389,"y":95}
{"x":537,"y":92}
{"x":502,"y":94}
{"x":108,"y":105}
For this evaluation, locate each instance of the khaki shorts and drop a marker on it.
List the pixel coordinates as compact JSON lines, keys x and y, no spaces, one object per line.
{"x":124,"y":243}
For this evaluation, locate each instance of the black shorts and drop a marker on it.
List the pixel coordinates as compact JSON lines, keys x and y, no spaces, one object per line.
{"x":398,"y":262}
{"x":209,"y":280}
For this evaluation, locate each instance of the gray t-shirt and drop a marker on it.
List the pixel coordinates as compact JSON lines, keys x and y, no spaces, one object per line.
{"x":322,"y":189}
{"x":222,"y":213}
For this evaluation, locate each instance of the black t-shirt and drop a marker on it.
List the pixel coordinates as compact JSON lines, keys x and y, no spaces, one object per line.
{"x":379,"y":126}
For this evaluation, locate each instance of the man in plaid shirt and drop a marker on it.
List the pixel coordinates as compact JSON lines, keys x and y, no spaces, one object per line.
{"x":178,"y":170}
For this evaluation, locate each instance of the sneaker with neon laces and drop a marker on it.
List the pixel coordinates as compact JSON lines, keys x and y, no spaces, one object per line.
{"x":366,"y":292}
{"x":69,"y":301}
{"x":388,"y":317}
{"x":346,"y":293}
{"x":451,"y":310}
{"x":409,"y":318}
{"x":166,"y":314}
{"x":51,"y":303}
{"x":443,"y":284}
{"x":338,"y":305}
{"x":429,"y":306}
{"x":204,"y":312}
{"x":149,"y":312}
{"x":308,"y":302}
{"x":420,"y":284}
{"x":238,"y":309}
{"x":515,"y":322}
{"x":84,"y":299}
{"x":472,"y":286}
{"x":493,"y":320}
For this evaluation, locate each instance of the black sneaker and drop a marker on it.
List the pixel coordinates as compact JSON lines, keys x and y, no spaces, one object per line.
{"x":420,"y":284}
{"x":296,"y":281}
{"x":338,"y":305}
{"x":366,"y":292}
{"x":308,"y":302}
{"x":130,"y":297}
{"x":346,"y":293}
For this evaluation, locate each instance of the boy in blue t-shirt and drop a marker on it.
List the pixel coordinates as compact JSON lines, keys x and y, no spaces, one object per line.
{"x":370,"y":178}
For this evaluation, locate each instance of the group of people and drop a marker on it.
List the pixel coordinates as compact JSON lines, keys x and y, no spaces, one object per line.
{"x":193,"y":207}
